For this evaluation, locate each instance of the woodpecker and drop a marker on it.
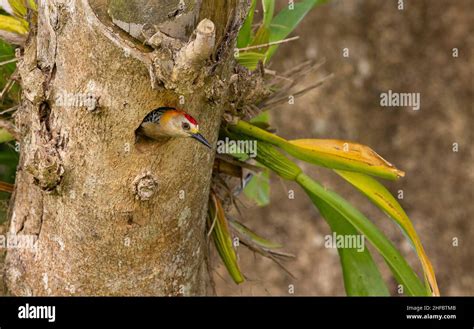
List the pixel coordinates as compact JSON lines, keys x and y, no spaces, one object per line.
{"x":169,"y":122}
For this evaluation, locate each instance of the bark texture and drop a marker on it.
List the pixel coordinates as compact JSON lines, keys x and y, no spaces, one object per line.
{"x":109,"y":217}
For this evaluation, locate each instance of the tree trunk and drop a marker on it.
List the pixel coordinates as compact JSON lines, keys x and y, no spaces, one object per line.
{"x":108,"y":216}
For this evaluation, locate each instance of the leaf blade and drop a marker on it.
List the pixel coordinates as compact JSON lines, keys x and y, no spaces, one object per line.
{"x":250,"y":59}
{"x":20,"y":7}
{"x":361,"y":275}
{"x":328,"y":153}
{"x":268,"y":10}
{"x":383,"y":199}
{"x":223,"y":240}
{"x":245,"y":33}
{"x":13,"y":24}
{"x":258,"y":188}
{"x":5,"y":136}
{"x":254,"y":237}
{"x":401,"y":270}
{"x":340,"y":154}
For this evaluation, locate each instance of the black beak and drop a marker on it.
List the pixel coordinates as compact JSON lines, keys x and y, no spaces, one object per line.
{"x":201,"y":138}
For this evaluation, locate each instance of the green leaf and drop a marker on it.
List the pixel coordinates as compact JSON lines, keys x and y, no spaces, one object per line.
{"x":8,"y":157}
{"x":382,"y":198}
{"x":271,"y":158}
{"x":5,"y":136}
{"x":261,"y":38}
{"x":262,"y":120}
{"x":8,"y":163}
{"x":268,"y":10}
{"x":7,"y":52}
{"x":10,"y":99}
{"x":263,"y":32}
{"x":287,"y":20}
{"x":245,"y":33}
{"x":258,"y":188}
{"x":263,"y":117}
{"x":223,"y":239}
{"x":254,"y":237}
{"x":250,"y":59}
{"x":361,"y":275}
{"x":252,"y":131}
{"x":400,"y":268}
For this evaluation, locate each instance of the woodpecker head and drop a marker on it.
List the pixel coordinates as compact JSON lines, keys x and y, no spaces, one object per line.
{"x":168,"y":122}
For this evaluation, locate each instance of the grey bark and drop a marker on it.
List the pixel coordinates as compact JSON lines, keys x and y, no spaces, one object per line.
{"x":107,"y":216}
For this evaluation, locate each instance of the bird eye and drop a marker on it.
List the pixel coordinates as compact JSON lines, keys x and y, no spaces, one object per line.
{"x":186,"y":126}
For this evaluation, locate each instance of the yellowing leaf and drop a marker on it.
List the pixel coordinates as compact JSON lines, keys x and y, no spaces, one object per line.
{"x":223,"y":239}
{"x":12,"y":24}
{"x":383,"y":199}
{"x":330,"y":153}
{"x":5,"y":136}
{"x":20,"y":6}
{"x":344,"y":155}
{"x":6,"y":187}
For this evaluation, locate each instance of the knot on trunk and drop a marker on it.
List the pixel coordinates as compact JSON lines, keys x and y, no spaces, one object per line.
{"x":144,"y":186}
{"x":46,"y":169}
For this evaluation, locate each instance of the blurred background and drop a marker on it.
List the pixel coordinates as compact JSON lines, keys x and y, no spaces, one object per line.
{"x":408,"y":50}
